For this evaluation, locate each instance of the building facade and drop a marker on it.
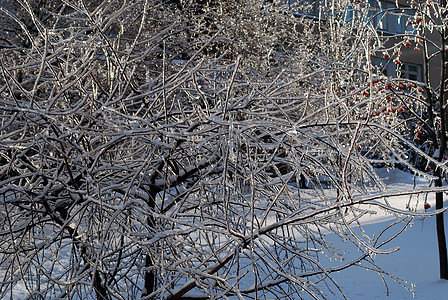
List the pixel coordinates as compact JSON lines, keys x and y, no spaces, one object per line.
{"x":402,"y":54}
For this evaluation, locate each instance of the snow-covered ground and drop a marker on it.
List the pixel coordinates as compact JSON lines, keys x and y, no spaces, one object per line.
{"x":416,"y":261}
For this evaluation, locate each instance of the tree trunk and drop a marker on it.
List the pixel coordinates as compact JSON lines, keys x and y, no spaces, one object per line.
{"x":441,"y":240}
{"x":101,"y":292}
{"x":443,"y":259}
{"x":150,"y":278}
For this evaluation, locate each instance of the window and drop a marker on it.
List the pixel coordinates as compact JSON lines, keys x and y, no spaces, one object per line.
{"x":406,"y":70}
{"x":388,"y":17}
{"x":313,"y":7}
{"x":384,"y":66}
{"x":411,"y":71}
{"x":307,"y":7}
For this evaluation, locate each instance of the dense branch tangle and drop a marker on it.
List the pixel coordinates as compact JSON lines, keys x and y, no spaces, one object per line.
{"x":145,"y":153}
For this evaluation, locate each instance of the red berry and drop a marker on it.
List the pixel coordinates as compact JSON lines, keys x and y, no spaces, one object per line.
{"x":427,"y":206}
{"x":428,"y":169}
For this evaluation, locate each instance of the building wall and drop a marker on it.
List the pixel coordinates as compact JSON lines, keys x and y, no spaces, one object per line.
{"x":411,"y":52}
{"x":392,"y":28}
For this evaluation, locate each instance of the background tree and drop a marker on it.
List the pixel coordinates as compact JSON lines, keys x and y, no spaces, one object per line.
{"x":151,"y":150}
{"x":424,"y":99}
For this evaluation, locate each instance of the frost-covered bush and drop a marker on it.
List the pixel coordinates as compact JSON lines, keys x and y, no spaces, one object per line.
{"x":162,"y":149}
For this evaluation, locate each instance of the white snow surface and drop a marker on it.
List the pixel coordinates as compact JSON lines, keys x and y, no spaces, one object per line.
{"x":416,"y":261}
